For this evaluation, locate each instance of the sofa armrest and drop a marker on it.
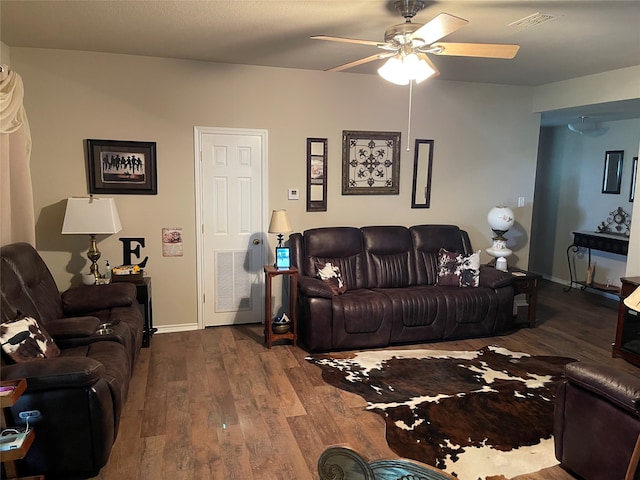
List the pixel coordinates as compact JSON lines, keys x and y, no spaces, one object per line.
{"x":55,"y":373}
{"x":313,"y":287}
{"x":618,"y":387}
{"x":73,"y":327}
{"x":86,"y":299}
{"x":494,"y":278}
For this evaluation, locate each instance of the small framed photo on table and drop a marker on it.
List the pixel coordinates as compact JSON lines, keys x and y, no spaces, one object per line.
{"x":283,"y":260}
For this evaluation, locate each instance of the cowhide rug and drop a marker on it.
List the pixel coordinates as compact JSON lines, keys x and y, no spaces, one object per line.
{"x":473,"y":414}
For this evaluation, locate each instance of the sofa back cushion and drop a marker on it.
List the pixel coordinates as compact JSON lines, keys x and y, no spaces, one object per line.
{"x":27,"y":284}
{"x":390,"y":257}
{"x":340,"y":246}
{"x":427,"y":242}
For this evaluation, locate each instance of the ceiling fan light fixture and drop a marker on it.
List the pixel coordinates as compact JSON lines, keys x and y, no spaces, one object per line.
{"x":400,"y":69}
{"x":583,"y":127}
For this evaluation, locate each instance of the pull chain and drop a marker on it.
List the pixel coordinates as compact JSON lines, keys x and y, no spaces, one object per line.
{"x":409,"y":117}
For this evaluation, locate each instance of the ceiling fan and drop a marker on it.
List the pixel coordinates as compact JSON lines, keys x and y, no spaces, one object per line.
{"x":406,"y":45}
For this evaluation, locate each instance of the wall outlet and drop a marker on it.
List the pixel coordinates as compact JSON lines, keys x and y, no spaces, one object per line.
{"x":294,"y":194}
{"x":520,"y":201}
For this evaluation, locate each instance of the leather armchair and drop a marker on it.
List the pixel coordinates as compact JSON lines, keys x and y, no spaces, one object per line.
{"x":597,"y":420}
{"x":79,"y":395}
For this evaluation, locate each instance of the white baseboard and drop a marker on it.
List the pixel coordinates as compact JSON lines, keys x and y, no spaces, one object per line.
{"x":177,"y":328}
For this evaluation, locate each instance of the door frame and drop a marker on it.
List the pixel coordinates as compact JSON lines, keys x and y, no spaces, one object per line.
{"x":198,"y":132}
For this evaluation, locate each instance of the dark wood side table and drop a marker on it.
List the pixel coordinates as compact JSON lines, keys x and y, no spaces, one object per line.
{"x":292,"y":273}
{"x":527,"y":283}
{"x":9,"y":457}
{"x":627,"y":342}
{"x":143,"y":295}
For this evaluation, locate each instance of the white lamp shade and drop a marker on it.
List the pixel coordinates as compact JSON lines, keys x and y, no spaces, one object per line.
{"x":401,"y":69}
{"x":279,"y":222}
{"x":501,"y":218}
{"x":90,"y":215}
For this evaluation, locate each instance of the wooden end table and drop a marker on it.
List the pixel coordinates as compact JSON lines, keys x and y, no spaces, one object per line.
{"x":627,"y":342}
{"x":270,"y":272}
{"x":527,"y":283}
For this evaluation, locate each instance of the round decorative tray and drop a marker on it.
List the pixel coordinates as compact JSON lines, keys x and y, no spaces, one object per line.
{"x":281,"y":327}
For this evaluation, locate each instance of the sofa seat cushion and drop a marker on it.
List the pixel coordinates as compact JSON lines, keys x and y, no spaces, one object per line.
{"x":471,"y":312}
{"x":418,"y":313}
{"x":117,"y":371}
{"x":361,"y":316}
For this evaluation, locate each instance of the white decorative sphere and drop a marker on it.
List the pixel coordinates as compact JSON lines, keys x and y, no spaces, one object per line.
{"x":501,"y":218}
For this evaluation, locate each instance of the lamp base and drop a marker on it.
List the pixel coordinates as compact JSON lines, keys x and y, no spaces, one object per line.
{"x":501,"y":264}
{"x":94,"y":255}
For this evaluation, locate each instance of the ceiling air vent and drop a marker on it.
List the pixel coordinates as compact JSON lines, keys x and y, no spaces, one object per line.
{"x":533,"y":20}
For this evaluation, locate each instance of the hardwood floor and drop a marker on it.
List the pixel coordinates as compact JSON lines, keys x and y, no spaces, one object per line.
{"x":216,"y":404}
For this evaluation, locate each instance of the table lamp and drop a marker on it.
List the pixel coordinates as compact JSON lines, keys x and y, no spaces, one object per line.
{"x":500,"y":219}
{"x":91,"y":216}
{"x":280,"y":224}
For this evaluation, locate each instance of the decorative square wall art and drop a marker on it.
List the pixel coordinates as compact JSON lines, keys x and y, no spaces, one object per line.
{"x":122,"y":167}
{"x":370,"y":163}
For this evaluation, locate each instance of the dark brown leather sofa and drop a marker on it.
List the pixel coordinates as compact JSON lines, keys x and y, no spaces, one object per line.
{"x":78,"y":395}
{"x":390,"y":273}
{"x":597,"y":421}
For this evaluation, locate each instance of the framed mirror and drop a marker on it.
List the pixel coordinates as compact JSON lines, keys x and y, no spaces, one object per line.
{"x":316,"y":174}
{"x":612,"y":176}
{"x":634,"y":174}
{"x":423,"y":158}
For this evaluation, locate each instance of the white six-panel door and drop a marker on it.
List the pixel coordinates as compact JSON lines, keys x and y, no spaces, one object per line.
{"x":231,"y":250}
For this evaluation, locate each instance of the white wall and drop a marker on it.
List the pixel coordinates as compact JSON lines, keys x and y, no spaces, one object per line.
{"x":604,"y":87}
{"x":569,"y":198}
{"x":5,"y":54}
{"x":485,"y":150}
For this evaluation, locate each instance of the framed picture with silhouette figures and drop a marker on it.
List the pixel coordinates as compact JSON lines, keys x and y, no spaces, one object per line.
{"x":122,"y":167}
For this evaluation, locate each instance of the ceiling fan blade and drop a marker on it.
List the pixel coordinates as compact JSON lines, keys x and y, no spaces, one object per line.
{"x":439,"y":27}
{"x":486,"y":50}
{"x":355,"y":63}
{"x":346,"y":40}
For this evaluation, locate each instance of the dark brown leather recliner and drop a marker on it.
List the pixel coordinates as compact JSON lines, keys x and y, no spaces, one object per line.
{"x":79,"y":395}
{"x":391,"y":297}
{"x":597,"y":420}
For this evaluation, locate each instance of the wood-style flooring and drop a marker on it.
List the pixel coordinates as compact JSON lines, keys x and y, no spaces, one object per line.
{"x":217,"y":404}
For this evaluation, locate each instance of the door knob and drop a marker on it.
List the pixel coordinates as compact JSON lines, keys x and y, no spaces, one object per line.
{"x":257,"y":241}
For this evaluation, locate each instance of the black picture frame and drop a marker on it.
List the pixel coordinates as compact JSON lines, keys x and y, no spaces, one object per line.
{"x":422,"y":164}
{"x":316,"y":175}
{"x":634,"y":175}
{"x":612,"y":176}
{"x":122,"y":167}
{"x":370,"y":163}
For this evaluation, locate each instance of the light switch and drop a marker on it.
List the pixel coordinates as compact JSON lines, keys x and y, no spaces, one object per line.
{"x":294,"y":194}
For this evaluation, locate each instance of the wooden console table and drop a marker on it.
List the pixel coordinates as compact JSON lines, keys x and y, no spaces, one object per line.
{"x":627,"y":342}
{"x":604,"y":242}
{"x":527,"y":283}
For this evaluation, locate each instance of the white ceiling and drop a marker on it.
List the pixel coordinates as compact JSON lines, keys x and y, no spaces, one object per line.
{"x":587,"y":37}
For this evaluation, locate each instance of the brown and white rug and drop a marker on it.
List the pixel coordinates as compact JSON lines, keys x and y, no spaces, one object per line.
{"x":473,"y":414}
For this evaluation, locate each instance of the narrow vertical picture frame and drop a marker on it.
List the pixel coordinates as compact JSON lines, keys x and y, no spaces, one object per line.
{"x":612,"y":175}
{"x":316,"y":174}
{"x":634,"y":176}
